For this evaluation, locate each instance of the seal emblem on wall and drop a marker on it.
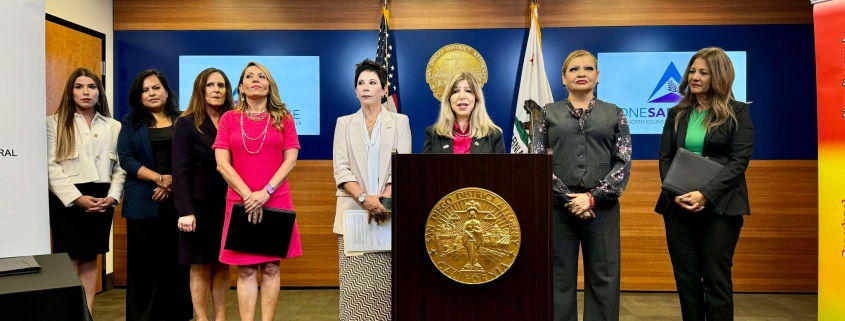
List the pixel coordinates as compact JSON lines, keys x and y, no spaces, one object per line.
{"x":472,"y":236}
{"x":449,"y":60}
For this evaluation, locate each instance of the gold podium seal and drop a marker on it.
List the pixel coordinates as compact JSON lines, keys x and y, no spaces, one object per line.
{"x":448,"y":61}
{"x":472,"y":236}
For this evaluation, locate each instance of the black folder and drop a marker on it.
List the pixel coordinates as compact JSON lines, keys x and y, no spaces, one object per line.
{"x":690,"y":172}
{"x":270,"y":237}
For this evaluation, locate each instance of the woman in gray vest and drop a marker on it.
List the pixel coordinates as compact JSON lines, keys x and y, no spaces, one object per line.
{"x":592,"y":163}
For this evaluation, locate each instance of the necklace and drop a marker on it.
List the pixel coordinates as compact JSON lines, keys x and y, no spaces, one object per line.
{"x":259,"y":116}
{"x":263,"y":136}
{"x":457,"y":132}
{"x":370,"y":128}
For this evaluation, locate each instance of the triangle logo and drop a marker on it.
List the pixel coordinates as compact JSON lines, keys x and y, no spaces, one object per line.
{"x":666,"y":90}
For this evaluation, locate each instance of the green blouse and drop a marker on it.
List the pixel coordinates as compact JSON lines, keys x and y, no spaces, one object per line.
{"x":696,"y":131}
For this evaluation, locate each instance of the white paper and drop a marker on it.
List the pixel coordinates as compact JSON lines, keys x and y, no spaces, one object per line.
{"x":361,"y":237}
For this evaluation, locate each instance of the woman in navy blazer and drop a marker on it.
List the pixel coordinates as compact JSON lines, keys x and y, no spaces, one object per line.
{"x":702,"y":227}
{"x":463,"y":125}
{"x":157,"y":286}
{"x":199,"y":191}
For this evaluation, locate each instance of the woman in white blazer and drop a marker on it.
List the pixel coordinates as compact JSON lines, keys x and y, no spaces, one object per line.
{"x":85,"y":179}
{"x":361,"y":157}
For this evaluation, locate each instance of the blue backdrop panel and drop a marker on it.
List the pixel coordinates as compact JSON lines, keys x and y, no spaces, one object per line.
{"x":780,"y":71}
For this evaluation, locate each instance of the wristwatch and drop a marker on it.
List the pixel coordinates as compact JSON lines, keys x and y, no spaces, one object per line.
{"x":362,"y":197}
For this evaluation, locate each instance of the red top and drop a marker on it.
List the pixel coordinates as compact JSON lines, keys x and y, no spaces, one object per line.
{"x":461,"y":144}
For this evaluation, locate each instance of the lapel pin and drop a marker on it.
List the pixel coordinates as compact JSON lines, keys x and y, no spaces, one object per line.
{"x":476,"y":143}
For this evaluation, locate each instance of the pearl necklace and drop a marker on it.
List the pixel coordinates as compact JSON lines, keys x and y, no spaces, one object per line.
{"x":263,"y":135}
{"x":462,"y":135}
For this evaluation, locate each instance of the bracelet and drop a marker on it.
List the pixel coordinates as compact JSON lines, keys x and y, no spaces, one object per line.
{"x":592,"y":200}
{"x":159,"y":179}
{"x":269,"y":188}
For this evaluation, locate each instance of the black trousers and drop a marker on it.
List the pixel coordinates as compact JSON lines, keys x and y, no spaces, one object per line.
{"x":701,"y":246}
{"x":599,"y":239}
{"x":157,"y":286}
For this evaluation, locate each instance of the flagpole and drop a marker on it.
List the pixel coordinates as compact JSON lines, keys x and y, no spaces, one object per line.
{"x":386,"y":15}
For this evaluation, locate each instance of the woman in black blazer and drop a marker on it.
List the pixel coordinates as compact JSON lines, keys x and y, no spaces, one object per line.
{"x":199,"y":191}
{"x":157,"y":286}
{"x":702,"y":227}
{"x":463,"y":125}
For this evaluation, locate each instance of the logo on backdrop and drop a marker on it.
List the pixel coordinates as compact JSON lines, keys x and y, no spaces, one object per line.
{"x":666,"y":90}
{"x":297,"y":79}
{"x":449,"y":60}
{"x":647,"y":84}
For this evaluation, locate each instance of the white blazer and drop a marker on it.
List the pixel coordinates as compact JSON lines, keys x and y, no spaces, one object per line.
{"x":349,"y":155}
{"x":93,"y":160}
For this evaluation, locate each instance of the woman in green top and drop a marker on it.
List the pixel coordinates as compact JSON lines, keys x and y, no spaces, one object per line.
{"x":702,"y":227}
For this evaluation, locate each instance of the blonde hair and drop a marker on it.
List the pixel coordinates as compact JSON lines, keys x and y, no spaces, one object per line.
{"x":277,"y":109}
{"x":720,"y":94}
{"x":66,"y":131}
{"x":576,"y":54}
{"x":480,"y":123}
{"x":197,"y":104}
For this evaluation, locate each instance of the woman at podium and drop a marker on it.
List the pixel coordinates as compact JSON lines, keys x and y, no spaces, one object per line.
{"x":361,"y":157}
{"x":591,"y":143}
{"x":463,"y":125}
{"x":84,"y":186}
{"x":702,"y":227}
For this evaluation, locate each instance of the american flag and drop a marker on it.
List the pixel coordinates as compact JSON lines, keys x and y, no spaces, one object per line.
{"x":386,"y":56}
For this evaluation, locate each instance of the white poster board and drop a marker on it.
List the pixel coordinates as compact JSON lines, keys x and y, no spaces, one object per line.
{"x":24,"y":217}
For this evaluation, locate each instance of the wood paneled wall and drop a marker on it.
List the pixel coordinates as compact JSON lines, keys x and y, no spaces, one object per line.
{"x":447,"y":14}
{"x":777,"y":249}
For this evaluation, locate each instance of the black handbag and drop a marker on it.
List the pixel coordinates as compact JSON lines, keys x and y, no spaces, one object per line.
{"x":270,"y":237}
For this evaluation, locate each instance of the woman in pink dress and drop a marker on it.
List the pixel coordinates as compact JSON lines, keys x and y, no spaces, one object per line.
{"x":256,"y":149}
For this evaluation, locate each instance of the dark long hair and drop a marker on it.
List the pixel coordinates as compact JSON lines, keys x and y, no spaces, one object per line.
{"x":721,"y":92}
{"x":140,"y":114}
{"x":197,"y":104}
{"x":65,"y":131}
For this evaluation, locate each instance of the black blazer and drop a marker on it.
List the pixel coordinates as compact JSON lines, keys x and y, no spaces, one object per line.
{"x":195,"y":174}
{"x":136,"y":151}
{"x":730,"y":145}
{"x":436,"y":144}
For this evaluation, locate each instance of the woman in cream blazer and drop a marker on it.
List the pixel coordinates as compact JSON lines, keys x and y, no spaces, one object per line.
{"x":85,"y":179}
{"x":363,"y":143}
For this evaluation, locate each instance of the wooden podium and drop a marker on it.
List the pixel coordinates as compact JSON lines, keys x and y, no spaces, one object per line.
{"x":420,"y":290}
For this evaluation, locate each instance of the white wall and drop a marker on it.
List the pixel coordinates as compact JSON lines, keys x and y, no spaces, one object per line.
{"x":99,"y":16}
